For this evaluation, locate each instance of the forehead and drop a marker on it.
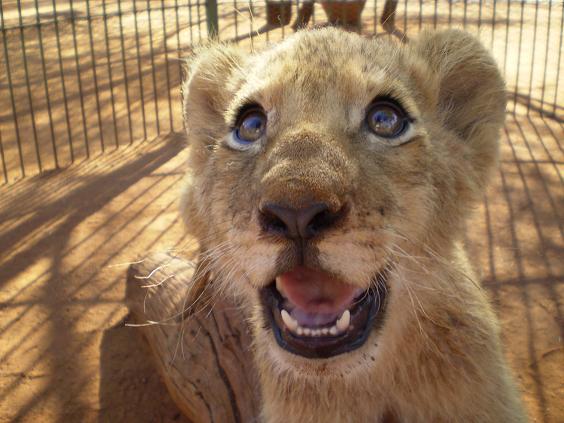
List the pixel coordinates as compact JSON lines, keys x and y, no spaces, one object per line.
{"x":324,"y":70}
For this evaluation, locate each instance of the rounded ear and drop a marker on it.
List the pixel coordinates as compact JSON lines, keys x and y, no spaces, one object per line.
{"x":471,"y":95}
{"x":207,"y":90}
{"x":471,"y":89}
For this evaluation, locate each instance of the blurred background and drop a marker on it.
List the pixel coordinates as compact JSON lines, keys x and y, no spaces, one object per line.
{"x":91,"y":162}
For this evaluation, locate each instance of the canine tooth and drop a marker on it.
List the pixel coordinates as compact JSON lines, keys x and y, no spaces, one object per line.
{"x":333,"y":330}
{"x":279,"y":287}
{"x":307,"y":331}
{"x":300,"y":331}
{"x":289,"y":321}
{"x":344,"y":322}
{"x":325,"y":331}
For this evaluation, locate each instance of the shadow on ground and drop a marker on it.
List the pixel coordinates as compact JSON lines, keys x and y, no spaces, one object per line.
{"x":130,"y":387}
{"x":61,"y":278}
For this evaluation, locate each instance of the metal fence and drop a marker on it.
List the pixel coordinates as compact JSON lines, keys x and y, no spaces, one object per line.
{"x":79,"y":77}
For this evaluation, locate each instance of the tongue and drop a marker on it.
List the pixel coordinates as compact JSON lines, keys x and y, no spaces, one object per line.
{"x":313,"y":291}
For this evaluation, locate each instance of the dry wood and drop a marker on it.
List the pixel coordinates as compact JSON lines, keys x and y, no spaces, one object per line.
{"x":204,"y":357}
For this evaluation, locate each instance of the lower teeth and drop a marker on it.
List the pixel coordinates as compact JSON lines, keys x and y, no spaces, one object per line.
{"x":340,"y":326}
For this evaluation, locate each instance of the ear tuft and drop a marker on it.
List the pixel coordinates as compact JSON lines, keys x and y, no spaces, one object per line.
{"x":471,"y":89}
{"x":207,"y":90}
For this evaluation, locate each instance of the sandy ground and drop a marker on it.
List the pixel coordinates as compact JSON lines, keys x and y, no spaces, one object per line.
{"x":65,"y":354}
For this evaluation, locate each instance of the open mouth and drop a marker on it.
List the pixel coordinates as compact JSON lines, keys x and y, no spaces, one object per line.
{"x":315,"y":315}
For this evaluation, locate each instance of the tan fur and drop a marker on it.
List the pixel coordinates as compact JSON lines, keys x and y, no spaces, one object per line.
{"x":438,"y":356}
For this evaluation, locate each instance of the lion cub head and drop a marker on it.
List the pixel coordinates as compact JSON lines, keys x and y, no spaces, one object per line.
{"x":319,"y":164}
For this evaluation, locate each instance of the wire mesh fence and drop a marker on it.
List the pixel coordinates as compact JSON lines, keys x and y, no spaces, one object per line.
{"x":78,"y":77}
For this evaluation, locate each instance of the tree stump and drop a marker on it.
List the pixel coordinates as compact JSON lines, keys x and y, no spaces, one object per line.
{"x":204,"y":357}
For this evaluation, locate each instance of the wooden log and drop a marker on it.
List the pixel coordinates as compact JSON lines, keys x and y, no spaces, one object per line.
{"x":204,"y":357}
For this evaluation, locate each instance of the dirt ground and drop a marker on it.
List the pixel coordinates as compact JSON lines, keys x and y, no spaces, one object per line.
{"x":66,"y":236}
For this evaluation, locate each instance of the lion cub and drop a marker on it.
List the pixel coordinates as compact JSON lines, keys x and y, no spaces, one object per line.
{"x":330,"y":178}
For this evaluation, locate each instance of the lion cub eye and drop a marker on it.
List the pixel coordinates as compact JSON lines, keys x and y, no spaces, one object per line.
{"x":250,"y":127}
{"x":386,"y":119}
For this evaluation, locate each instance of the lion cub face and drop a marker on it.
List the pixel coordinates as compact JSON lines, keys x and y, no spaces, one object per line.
{"x":319,"y":164}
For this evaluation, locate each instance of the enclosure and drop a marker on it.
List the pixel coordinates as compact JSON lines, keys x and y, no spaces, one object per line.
{"x":92,"y":157}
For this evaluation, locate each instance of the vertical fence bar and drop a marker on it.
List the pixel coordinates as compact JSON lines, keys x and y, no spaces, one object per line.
{"x":479,"y":16}
{"x":178,"y":46}
{"x":465,"y":14}
{"x":199,"y":20}
{"x":449,"y":13}
{"x":420,"y":14}
{"x":11,"y":91}
{"x":506,"y":38}
{"x":251,"y":33}
{"x":153,"y":71}
{"x":190,"y":23}
{"x":166,"y":66}
{"x":78,"y":73}
{"x":4,"y":168}
{"x":405,"y":17}
{"x":522,"y":17}
{"x":45,"y":83}
{"x":63,"y":84}
{"x":493,"y":24}
{"x":531,"y":70}
{"x":435,"y":14}
{"x":110,"y":75}
{"x":28,"y":85}
{"x":546,"y":56}
{"x":125,"y":76}
{"x":558,"y":62}
{"x":236,"y":18}
{"x":95,"y":74}
{"x":375,"y":23}
{"x":177,"y":22}
{"x":268,"y":19}
{"x":139,"y":70}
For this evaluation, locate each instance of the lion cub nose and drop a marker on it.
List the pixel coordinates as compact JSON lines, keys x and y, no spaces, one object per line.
{"x":294,"y":223}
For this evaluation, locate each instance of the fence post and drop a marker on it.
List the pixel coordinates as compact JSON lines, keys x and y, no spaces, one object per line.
{"x":211,"y":15}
